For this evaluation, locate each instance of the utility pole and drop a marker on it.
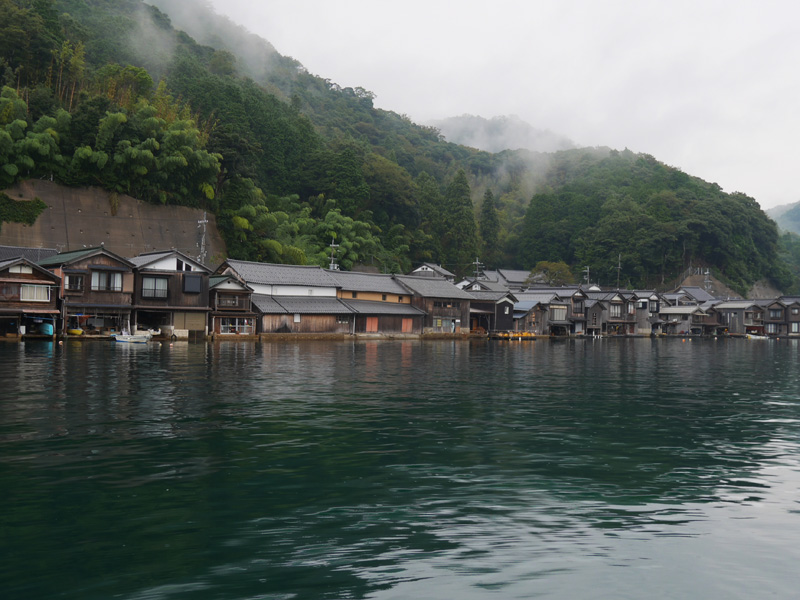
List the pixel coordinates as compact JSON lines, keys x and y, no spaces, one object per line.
{"x":586,"y":275}
{"x":334,"y":266}
{"x":619,"y":268}
{"x":478,"y":267}
{"x":201,"y":258}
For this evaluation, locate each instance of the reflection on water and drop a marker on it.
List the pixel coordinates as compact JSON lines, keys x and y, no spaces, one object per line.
{"x":564,"y":469}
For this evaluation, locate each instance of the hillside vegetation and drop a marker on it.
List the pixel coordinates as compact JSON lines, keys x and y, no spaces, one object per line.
{"x":174,"y":104}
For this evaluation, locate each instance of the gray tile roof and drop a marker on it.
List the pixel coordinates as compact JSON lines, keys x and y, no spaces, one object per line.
{"x":32,"y":254}
{"x":491,"y":296}
{"x":266,"y":304}
{"x":697,"y":293}
{"x":365,"y":307}
{"x":433,"y":287}
{"x":313,"y":305}
{"x":367,"y":282}
{"x":271,"y":274}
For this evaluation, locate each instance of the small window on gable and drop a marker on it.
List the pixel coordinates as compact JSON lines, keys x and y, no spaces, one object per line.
{"x":354,"y":294}
{"x":21,"y":269}
{"x":383,"y":297}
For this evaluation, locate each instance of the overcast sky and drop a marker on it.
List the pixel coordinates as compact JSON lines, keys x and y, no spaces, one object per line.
{"x":710,"y":87}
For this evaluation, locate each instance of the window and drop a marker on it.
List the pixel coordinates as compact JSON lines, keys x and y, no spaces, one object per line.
{"x":558,"y":313}
{"x":354,"y":294}
{"x":399,"y":298}
{"x":74,"y":283}
{"x":653,"y":306}
{"x":795,"y":328}
{"x":105,"y":281}
{"x":238,"y":325}
{"x":775,"y":313}
{"x":9,"y":292}
{"x":772,"y":328}
{"x":631,"y":308}
{"x":615,"y":311}
{"x":343,"y":319}
{"x":34,"y":293}
{"x":154,"y":287}
{"x":228,"y":301}
{"x":21,"y":269}
{"x":506,"y":310}
{"x":192,"y":284}
{"x":577,"y":307}
{"x":795,"y":310}
{"x":383,"y":297}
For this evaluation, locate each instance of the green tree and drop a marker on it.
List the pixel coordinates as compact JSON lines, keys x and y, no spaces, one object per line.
{"x":550,"y":273}
{"x":490,"y":231}
{"x":459,"y":242}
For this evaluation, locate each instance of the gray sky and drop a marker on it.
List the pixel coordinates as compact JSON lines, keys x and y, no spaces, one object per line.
{"x":710,"y":87}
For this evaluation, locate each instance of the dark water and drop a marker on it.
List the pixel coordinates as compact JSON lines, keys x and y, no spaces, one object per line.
{"x":390,"y":470}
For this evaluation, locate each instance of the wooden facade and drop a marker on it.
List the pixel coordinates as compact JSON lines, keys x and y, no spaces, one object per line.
{"x":28,"y":299}
{"x":231,"y":307}
{"x":96,"y":290}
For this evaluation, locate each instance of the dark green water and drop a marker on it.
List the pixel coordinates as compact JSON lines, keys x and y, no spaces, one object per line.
{"x":391,"y":470}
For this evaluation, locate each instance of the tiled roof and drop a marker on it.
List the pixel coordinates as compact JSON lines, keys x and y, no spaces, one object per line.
{"x":266,"y":304}
{"x":365,"y":307}
{"x":68,"y":257}
{"x":313,"y":305}
{"x":271,"y":274}
{"x":735,"y":305}
{"x":438,"y":269}
{"x":433,"y":287}
{"x":216,"y":280}
{"x":514,"y":275}
{"x":32,"y":254}
{"x":492,"y":296}
{"x":146,"y":258}
{"x":367,"y":282}
{"x":697,"y":293}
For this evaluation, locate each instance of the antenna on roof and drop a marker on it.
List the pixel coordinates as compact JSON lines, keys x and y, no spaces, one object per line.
{"x":334,"y":266}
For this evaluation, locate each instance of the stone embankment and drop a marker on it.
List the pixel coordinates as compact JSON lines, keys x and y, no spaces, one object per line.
{"x":78,"y":218}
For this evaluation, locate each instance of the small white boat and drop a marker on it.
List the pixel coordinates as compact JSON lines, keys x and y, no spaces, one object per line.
{"x":753,"y":336}
{"x":140,"y":337}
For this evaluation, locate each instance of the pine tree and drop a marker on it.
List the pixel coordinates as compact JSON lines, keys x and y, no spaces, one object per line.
{"x":490,"y":231}
{"x":459,"y":242}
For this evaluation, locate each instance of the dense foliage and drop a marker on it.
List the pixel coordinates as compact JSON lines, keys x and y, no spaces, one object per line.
{"x":12,"y":211}
{"x":191,"y":109}
{"x":630,"y":216}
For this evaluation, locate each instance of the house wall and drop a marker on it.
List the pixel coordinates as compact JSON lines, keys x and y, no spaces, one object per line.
{"x":389,"y":324}
{"x":176,"y":297}
{"x":283,"y":323}
{"x":374,"y":296}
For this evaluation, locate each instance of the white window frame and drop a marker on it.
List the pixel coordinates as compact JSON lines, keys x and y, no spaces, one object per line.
{"x":34,"y":293}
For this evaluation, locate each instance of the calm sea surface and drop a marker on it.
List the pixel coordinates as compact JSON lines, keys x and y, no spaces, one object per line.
{"x":630,"y":468}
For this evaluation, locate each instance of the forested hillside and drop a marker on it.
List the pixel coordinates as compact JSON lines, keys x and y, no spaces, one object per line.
{"x":175,"y":105}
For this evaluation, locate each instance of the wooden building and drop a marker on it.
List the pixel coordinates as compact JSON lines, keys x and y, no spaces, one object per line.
{"x":28,"y":299}
{"x":446,"y":307}
{"x":379,"y":303}
{"x":171,"y":294}
{"x":231,"y":306}
{"x":96,"y":289}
